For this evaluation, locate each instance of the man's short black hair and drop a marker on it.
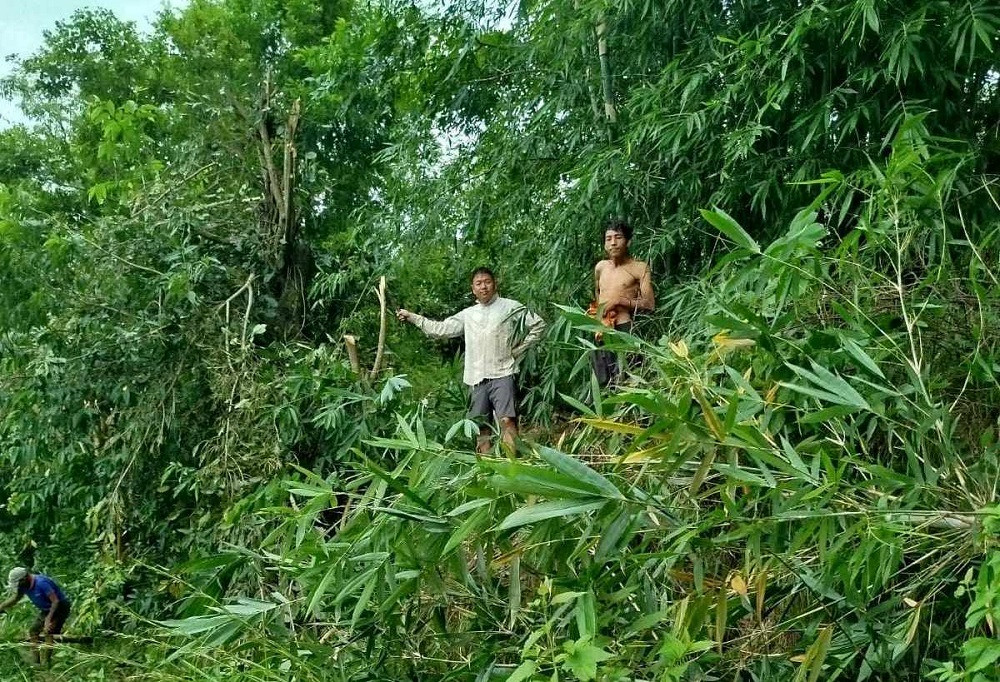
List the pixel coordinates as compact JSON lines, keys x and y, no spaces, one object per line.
{"x":618,"y":225}
{"x":483,"y":270}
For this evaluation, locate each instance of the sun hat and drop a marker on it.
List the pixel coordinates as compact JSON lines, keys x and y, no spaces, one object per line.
{"x":15,"y":577}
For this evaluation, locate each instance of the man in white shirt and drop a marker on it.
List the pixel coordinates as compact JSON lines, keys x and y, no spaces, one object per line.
{"x":491,"y":329}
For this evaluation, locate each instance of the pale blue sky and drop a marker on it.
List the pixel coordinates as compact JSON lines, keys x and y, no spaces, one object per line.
{"x":22,"y":23}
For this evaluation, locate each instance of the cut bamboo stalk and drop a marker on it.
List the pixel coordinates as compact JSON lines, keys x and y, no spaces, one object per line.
{"x":352,"y":352}
{"x":602,"y":52}
{"x":380,"y":292}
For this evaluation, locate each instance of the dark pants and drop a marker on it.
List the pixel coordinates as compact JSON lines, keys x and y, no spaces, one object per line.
{"x":58,"y":620}
{"x":605,"y":362}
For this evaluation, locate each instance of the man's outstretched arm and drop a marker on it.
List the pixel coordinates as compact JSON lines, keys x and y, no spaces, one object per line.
{"x":10,"y":602}
{"x":443,"y":329}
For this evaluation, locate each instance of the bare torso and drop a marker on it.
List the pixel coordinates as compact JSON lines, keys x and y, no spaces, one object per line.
{"x":625,"y":287}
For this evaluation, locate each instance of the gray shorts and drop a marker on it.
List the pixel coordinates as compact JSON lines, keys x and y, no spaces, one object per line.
{"x":494,"y":396}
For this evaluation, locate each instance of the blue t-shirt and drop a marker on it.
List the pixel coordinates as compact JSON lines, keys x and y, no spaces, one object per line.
{"x":39,"y":591}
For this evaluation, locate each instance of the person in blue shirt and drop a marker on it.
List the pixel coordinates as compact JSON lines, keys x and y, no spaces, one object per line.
{"x":47,"y":596}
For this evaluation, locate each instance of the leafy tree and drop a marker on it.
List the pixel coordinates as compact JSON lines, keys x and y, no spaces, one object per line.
{"x":795,"y":482}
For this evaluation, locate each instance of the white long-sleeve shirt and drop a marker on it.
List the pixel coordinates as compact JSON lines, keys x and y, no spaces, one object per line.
{"x":491,"y":332}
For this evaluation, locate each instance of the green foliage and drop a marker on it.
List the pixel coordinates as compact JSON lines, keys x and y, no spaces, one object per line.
{"x":795,"y":481}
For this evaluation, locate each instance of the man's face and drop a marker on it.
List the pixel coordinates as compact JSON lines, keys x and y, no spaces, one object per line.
{"x":615,"y":244}
{"x":483,"y":287}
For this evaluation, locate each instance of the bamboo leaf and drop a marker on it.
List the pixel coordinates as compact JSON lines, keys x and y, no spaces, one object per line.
{"x":820,"y":649}
{"x":363,"y":600}
{"x":586,"y":616}
{"x":320,"y":591}
{"x":741,"y":474}
{"x":708,"y":412}
{"x":575,"y":469}
{"x":610,"y":425}
{"x":532,"y":480}
{"x":828,"y":387}
{"x":721,"y":613}
{"x":725,"y":224}
{"x":702,"y":472}
{"x":469,"y":506}
{"x":577,"y":405}
{"x":514,"y":588}
{"x":549,"y":510}
{"x":862,"y":357}
{"x":469,"y":526}
{"x":523,"y":672}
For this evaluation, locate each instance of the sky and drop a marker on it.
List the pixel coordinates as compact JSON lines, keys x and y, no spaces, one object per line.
{"x":22,"y":23}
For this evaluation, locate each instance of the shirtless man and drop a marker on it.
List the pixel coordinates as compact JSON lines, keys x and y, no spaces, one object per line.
{"x":623,"y":287}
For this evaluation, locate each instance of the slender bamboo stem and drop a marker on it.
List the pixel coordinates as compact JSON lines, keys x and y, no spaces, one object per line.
{"x":606,"y":85}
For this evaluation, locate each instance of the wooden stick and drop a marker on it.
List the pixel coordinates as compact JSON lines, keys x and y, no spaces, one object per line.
{"x":61,"y":639}
{"x":73,"y":639}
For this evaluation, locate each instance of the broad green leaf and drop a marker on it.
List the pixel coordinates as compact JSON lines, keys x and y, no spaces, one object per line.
{"x":582,"y":657}
{"x":195,"y":624}
{"x":574,"y":468}
{"x":549,"y":510}
{"x":725,"y":224}
{"x":523,"y":671}
{"x":533,"y":480}
{"x":469,"y":506}
{"x":246,"y":608}
{"x":862,"y":357}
